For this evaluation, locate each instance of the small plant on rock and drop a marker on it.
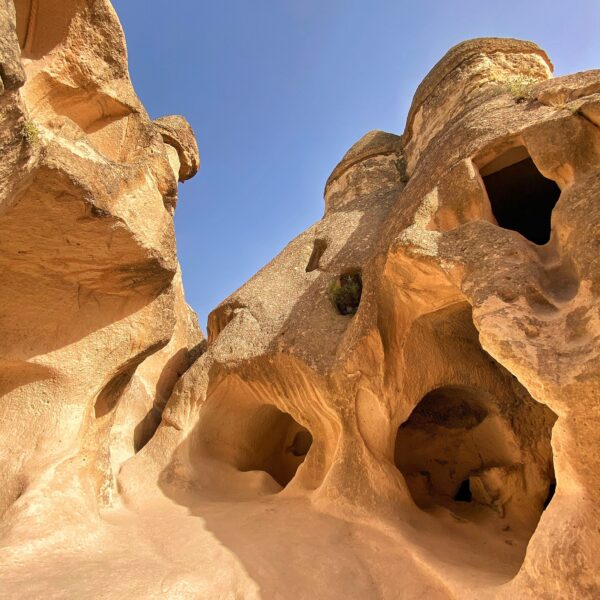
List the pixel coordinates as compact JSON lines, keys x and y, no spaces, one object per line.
{"x":520,"y":87}
{"x":345,"y":293}
{"x":31,"y":132}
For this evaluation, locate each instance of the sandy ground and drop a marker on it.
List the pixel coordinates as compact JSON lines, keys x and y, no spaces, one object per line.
{"x":269,"y":548}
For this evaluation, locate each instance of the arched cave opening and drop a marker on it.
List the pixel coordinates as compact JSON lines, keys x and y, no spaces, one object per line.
{"x":522,"y":199}
{"x":254,"y":436}
{"x":458,"y":451}
{"x":273,"y":442}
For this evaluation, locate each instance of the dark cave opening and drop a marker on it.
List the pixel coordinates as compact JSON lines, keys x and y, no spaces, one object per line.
{"x":301,"y":443}
{"x":345,"y":293}
{"x":464,"y":493}
{"x":256,"y":437}
{"x":273,"y":442}
{"x":522,"y":199}
{"x":457,"y":450}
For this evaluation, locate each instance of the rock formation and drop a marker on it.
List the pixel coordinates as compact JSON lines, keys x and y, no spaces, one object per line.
{"x":403,"y":404}
{"x":95,"y":330}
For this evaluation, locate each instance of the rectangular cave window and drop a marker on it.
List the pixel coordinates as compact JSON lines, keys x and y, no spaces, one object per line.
{"x":522,"y":198}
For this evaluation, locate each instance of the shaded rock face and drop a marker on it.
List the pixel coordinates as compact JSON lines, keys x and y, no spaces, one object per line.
{"x":438,"y":439}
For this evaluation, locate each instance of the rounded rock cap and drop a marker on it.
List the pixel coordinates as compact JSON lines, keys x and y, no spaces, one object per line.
{"x":374,"y":143}
{"x":459,"y":54}
{"x":468,"y":72}
{"x":178,"y":133}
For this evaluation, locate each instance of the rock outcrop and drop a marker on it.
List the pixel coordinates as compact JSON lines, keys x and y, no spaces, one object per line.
{"x":94,"y":327}
{"x":404,"y":403}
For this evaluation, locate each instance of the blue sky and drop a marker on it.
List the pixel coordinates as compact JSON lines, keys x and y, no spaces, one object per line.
{"x":278,"y":90}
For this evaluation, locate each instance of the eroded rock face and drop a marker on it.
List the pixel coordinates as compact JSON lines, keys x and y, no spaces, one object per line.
{"x":438,"y":440}
{"x":92,"y":318}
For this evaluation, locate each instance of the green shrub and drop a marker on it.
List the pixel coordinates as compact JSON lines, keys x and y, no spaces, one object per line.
{"x":520,"y":87}
{"x":345,"y":293}
{"x":31,"y":132}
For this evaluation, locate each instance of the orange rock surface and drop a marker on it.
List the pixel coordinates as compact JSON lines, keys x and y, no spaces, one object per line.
{"x":405,"y":403}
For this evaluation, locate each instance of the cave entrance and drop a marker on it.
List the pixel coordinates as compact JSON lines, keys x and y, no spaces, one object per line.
{"x":273,"y":442}
{"x":252,"y":436}
{"x":457,"y":451}
{"x":522,"y":199}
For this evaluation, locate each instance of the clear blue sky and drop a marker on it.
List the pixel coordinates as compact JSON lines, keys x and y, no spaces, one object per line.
{"x":278,"y":90}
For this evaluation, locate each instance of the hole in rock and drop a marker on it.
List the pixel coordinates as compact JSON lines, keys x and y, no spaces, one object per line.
{"x":254,"y":437}
{"x":464,"y":492}
{"x":301,"y":443}
{"x":345,"y":293}
{"x":319,"y":248}
{"x":460,"y":450}
{"x":273,"y":442}
{"x":522,"y":199}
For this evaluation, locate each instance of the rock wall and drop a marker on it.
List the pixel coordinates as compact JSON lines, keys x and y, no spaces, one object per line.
{"x":404,"y":403}
{"x":95,"y":330}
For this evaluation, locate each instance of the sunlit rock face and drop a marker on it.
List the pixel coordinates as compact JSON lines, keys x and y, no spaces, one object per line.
{"x":94,"y":330}
{"x":402,"y":404}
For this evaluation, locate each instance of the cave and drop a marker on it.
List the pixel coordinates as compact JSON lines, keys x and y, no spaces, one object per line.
{"x":464,"y":493}
{"x":273,"y":442}
{"x":252,"y":435}
{"x":458,"y":451}
{"x":522,"y":199}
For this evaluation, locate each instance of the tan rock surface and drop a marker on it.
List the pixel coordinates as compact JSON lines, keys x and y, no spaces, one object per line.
{"x":91,"y":306}
{"x":403,"y":404}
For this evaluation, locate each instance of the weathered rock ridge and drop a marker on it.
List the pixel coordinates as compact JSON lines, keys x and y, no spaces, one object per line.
{"x":403,"y":404}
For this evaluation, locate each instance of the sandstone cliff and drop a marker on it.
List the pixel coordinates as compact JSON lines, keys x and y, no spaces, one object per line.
{"x":403,"y":404}
{"x":95,"y":330}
